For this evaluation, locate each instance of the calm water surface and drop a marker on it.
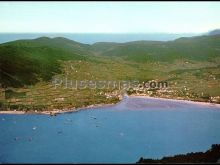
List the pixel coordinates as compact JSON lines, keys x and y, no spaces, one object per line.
{"x":134,"y":128}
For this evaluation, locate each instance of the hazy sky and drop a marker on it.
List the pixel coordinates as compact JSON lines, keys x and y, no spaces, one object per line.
{"x":109,"y":17}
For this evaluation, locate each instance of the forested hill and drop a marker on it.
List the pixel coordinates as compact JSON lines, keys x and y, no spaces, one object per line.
{"x":25,"y":62}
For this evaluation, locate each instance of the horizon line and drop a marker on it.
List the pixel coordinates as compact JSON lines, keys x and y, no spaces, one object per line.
{"x":111,"y":32}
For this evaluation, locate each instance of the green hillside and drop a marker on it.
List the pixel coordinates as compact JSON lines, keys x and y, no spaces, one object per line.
{"x":194,"y":48}
{"x":27,"y":67}
{"x":25,"y":62}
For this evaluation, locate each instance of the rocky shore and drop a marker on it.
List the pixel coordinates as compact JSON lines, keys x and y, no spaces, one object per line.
{"x":210,"y":156}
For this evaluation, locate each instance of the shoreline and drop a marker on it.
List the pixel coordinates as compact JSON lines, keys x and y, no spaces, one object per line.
{"x":72,"y":110}
{"x":178,"y":100}
{"x":57,"y":111}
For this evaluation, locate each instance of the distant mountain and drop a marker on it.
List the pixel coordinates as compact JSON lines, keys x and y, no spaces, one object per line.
{"x":214,"y":32}
{"x":194,"y":48}
{"x":91,"y":38}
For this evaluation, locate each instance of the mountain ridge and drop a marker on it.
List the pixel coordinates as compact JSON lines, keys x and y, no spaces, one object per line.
{"x":46,"y":53}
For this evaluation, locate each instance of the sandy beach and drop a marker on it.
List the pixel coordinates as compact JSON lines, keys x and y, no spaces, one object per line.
{"x":178,"y":100}
{"x":71,"y":110}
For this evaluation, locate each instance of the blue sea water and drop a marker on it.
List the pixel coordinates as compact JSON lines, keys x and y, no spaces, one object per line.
{"x":122,"y":133}
{"x":91,"y":38}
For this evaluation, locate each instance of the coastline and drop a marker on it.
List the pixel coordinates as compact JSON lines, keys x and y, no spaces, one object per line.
{"x":56,"y":111}
{"x":178,"y":100}
{"x":71,"y":110}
